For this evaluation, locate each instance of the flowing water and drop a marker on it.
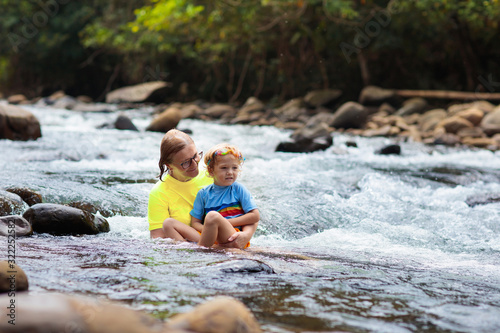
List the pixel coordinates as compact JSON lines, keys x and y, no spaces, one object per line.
{"x":357,"y":242}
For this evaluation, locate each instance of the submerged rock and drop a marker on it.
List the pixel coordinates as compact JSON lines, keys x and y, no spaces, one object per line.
{"x":244,"y":266}
{"x":482,"y":199}
{"x":27,"y":195}
{"x":305,"y":145}
{"x":11,"y":203}
{"x":17,"y":223}
{"x":389,"y":150}
{"x":63,"y":220}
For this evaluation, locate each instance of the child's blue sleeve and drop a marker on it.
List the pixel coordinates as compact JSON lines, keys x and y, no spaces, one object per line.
{"x":198,"y":209}
{"x":246,"y":199}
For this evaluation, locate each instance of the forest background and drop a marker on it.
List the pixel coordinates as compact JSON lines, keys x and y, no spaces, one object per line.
{"x":233,"y":49}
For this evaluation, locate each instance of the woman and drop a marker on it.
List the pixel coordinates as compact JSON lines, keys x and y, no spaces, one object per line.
{"x":172,"y":197}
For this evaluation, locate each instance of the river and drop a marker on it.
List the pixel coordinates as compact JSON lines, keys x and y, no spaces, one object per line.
{"x":356,"y":242}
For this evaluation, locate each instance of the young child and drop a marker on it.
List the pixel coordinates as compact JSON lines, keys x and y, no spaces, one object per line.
{"x":225,"y":207}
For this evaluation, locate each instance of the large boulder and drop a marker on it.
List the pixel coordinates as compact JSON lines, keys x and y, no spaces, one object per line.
{"x":350,"y":115}
{"x":11,"y":204}
{"x":18,"y":124}
{"x":323,"y":97}
{"x":17,"y":99}
{"x":145,"y":92}
{"x":220,"y":315}
{"x":220,"y":111}
{"x":15,"y":225}
{"x":63,"y":220}
{"x":12,"y":280}
{"x":166,"y":120}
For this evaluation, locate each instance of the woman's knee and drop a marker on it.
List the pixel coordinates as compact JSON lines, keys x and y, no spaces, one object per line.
{"x":169,"y":223}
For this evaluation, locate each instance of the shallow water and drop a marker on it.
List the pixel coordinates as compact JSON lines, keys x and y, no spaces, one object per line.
{"x":357,"y":242}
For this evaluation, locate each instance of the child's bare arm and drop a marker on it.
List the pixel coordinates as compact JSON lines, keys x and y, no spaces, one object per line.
{"x":196,"y":224}
{"x":251,"y":217}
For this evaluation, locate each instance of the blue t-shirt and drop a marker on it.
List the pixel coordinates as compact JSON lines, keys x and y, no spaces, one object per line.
{"x":230,"y":201}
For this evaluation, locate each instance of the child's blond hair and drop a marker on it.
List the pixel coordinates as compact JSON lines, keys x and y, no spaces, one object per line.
{"x":219,"y":150}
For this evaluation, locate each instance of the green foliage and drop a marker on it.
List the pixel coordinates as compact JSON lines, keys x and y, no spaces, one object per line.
{"x":232,"y":49}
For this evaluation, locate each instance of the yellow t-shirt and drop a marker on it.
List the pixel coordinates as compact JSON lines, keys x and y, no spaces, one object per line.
{"x":173,"y":198}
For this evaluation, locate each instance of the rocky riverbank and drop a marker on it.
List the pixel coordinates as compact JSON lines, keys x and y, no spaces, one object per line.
{"x":314,"y":118}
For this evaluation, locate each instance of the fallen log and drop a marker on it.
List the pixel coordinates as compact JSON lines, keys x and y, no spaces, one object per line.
{"x":448,"y":94}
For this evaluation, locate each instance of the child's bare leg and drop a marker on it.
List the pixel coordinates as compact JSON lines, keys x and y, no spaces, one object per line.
{"x":179,"y":231}
{"x":215,"y":228}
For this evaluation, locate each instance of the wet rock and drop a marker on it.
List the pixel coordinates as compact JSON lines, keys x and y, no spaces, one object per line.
{"x":473,"y":115}
{"x":220,"y":111}
{"x":12,"y":279}
{"x":484,"y":106}
{"x":429,"y":120}
{"x":323,"y":97}
{"x":351,"y":144}
{"x":18,"y":124}
{"x":483,"y":199}
{"x":372,"y":95}
{"x":474,"y":132}
{"x":316,"y":127}
{"x":89,"y":107}
{"x":11,"y":204}
{"x":27,"y":195}
{"x":350,"y":115}
{"x":63,"y":220}
{"x":17,"y":99}
{"x":245,"y":266}
{"x":66,"y":102}
{"x":220,"y":315}
{"x":145,"y":92}
{"x":491,"y":122}
{"x":447,"y":139}
{"x":291,"y":110}
{"x":165,"y":121}
{"x":123,"y":122}
{"x":411,"y":106}
{"x":454,"y":124}
{"x":305,"y":145}
{"x":389,"y":150}
{"x":43,"y":313}
{"x":191,"y":111}
{"x":91,"y":208}
{"x":15,"y":225}
{"x":488,"y":143}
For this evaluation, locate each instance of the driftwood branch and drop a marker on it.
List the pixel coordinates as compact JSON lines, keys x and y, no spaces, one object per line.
{"x":447,"y":94}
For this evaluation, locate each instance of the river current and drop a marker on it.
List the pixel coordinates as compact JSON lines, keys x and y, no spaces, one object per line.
{"x":357,"y":242}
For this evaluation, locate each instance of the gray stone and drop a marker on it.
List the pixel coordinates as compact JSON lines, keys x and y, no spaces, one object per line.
{"x":11,"y":204}
{"x":63,"y":220}
{"x":15,"y":225}
{"x":350,"y":115}
{"x":18,"y":124}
